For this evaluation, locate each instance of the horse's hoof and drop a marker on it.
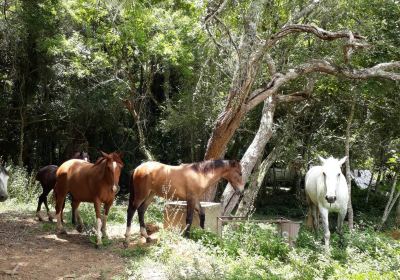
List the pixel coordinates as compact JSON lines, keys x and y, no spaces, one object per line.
{"x":50,"y":219}
{"x":39,"y":216}
{"x":62,"y":231}
{"x":98,"y":245}
{"x":126,"y":244}
{"x":79,"y":228}
{"x":148,"y":240}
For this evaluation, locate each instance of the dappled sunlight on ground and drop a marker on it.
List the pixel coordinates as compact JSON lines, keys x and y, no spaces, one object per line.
{"x":32,"y":250}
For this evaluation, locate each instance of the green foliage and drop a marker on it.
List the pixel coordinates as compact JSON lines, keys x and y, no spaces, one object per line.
{"x":22,"y":185}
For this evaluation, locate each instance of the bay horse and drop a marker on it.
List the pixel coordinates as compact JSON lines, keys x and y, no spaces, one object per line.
{"x":326,"y":191}
{"x":184,"y":182}
{"x":88,"y":182}
{"x":3,"y":182}
{"x":47,"y":178}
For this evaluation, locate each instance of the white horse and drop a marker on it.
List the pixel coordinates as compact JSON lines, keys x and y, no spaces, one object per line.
{"x":326,"y":189}
{"x":3,"y":182}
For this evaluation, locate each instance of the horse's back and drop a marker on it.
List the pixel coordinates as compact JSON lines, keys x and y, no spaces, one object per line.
{"x":150,"y":170}
{"x":72,"y":171}
{"x":47,"y":175}
{"x":159,"y":178}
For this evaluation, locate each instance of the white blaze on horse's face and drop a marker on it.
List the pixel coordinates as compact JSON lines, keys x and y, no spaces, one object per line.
{"x":332,"y":175}
{"x":115,"y":187}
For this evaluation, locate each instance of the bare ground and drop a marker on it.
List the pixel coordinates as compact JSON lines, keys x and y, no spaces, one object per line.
{"x":30,"y":249}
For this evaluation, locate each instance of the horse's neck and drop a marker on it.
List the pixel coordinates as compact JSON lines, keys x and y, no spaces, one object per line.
{"x":101,"y":173}
{"x":214,"y":176}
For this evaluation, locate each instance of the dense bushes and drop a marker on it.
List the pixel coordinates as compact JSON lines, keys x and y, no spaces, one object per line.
{"x":22,"y":185}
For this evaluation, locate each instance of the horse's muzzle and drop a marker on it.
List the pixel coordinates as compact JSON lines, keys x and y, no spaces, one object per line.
{"x":3,"y":197}
{"x":330,"y":199}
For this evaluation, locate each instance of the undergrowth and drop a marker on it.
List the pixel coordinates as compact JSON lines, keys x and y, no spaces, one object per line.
{"x":246,"y":251}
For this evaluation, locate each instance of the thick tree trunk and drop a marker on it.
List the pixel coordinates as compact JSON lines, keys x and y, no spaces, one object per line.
{"x":246,"y":205}
{"x":253,"y":153}
{"x":390,"y":203}
{"x":350,"y":214}
{"x":247,"y":68}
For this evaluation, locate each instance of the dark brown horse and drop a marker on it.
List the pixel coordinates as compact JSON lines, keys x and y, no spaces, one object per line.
{"x":184,"y":182}
{"x":47,"y":178}
{"x":88,"y":182}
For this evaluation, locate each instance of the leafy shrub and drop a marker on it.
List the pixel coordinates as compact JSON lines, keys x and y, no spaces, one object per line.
{"x":22,"y":185}
{"x":255,"y":240}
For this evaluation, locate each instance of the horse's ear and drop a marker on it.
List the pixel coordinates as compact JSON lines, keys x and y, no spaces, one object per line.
{"x":8,"y":168}
{"x":321,"y":159}
{"x":342,"y":160}
{"x":103,"y":154}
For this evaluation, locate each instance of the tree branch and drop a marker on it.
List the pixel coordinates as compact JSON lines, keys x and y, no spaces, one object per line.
{"x":322,"y":66}
{"x":304,"y":28}
{"x":215,"y":12}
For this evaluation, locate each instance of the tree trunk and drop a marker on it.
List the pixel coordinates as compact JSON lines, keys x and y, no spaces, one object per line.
{"x":369,"y":186}
{"x":350,"y":214}
{"x":21,"y":137}
{"x":246,"y":205}
{"x":398,"y":214}
{"x":252,"y":154}
{"x":389,"y":205}
{"x":246,"y":70}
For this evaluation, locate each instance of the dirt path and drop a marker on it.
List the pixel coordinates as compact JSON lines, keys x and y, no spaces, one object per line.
{"x":31,"y":250}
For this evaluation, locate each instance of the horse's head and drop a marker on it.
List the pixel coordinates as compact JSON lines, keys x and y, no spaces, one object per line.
{"x":114,"y":166}
{"x":85,"y":156}
{"x":82,"y":155}
{"x":331,"y":170}
{"x":234,"y":176}
{"x":3,"y":182}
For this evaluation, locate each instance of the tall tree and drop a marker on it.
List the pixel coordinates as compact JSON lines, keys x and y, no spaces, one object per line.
{"x":254,"y":47}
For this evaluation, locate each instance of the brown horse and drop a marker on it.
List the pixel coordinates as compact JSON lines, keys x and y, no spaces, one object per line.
{"x":184,"y":182}
{"x":47,"y":178}
{"x":88,"y":182}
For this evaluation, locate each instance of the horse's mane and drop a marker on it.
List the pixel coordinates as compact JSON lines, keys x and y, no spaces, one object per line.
{"x":210,"y":165}
{"x":115,"y":157}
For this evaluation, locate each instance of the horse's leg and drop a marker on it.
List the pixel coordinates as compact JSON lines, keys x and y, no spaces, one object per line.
{"x":327,"y":234}
{"x":309,"y":218}
{"x":104,"y":224}
{"x":97,"y":208}
{"x":60,"y":197}
{"x":46,"y":205}
{"x":315,"y":220}
{"x":73,"y":217}
{"x":132,"y":206}
{"x":340,"y":220}
{"x":75,"y":213}
{"x":141,"y":210}
{"x":202,"y":215}
{"x":40,"y":201}
{"x":191,"y":205}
